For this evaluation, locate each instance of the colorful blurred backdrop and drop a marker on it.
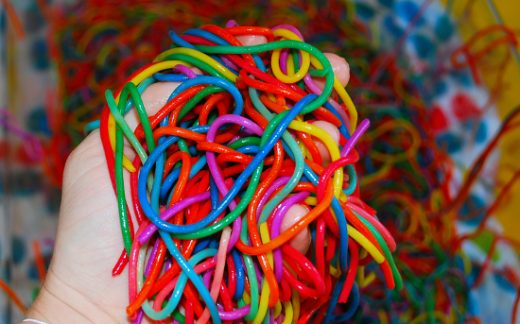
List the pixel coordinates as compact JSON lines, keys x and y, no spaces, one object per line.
{"x":446,"y":72}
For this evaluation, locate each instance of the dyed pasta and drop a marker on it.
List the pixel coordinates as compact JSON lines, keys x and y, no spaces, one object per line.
{"x":243,"y":201}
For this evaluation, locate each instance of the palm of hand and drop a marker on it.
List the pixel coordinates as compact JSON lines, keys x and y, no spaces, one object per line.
{"x":89,"y":239}
{"x":80,"y":282}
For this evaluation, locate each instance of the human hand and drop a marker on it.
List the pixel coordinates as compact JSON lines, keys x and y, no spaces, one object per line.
{"x":79,"y":285}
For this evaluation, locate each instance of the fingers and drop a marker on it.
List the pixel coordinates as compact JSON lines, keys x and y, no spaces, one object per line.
{"x":302,"y":240}
{"x":340,"y":68}
{"x":251,"y":40}
{"x":333,"y":131}
{"x":154,"y":98}
{"x":89,"y":155}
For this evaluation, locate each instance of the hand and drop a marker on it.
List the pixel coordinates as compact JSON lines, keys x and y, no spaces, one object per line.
{"x":79,"y":284}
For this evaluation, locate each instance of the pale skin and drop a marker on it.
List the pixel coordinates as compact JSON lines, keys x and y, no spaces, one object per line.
{"x":79,"y":286}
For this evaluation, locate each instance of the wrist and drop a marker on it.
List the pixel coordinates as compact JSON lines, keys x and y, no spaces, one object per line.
{"x":58,"y":303}
{"x":51,"y":309}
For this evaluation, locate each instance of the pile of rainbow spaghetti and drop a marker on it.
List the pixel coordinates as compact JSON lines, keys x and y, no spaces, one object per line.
{"x":242,"y":200}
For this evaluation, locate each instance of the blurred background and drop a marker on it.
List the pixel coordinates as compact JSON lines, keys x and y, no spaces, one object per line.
{"x":436,"y":78}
